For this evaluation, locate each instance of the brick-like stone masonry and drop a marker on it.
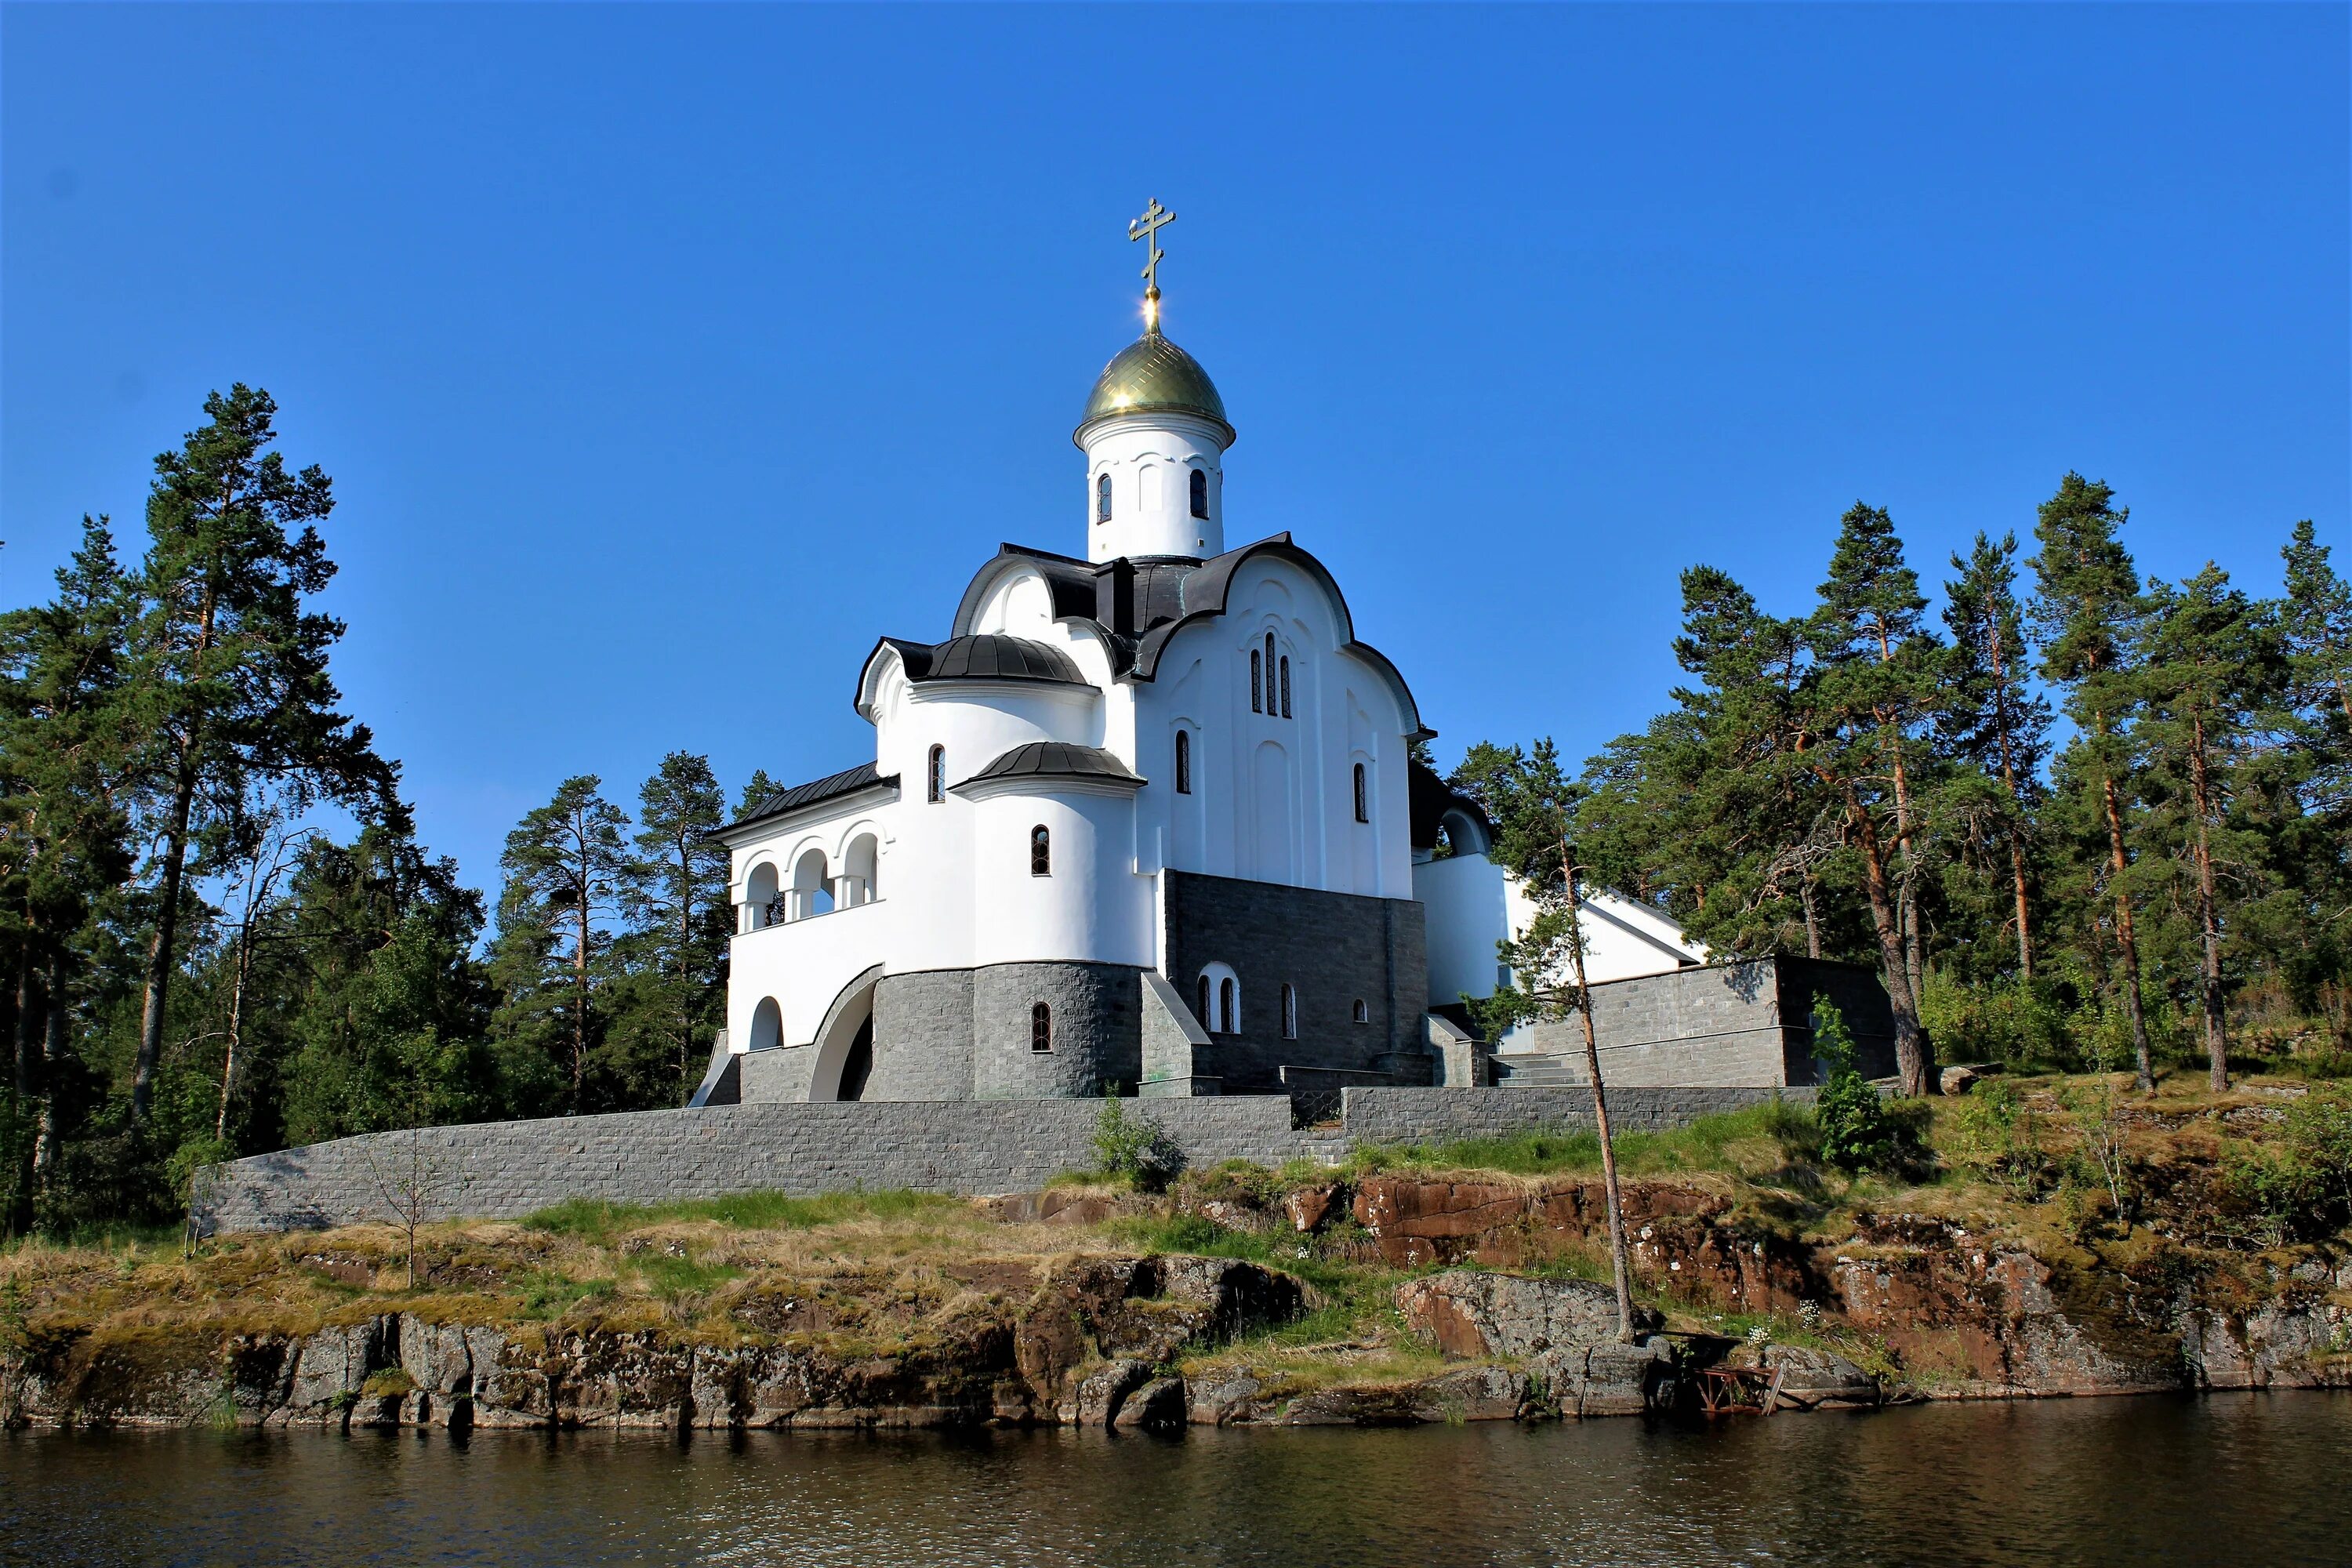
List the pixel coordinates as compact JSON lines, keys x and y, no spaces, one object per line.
{"x":1727,"y":1025}
{"x":1335,"y":948}
{"x":510,"y":1169}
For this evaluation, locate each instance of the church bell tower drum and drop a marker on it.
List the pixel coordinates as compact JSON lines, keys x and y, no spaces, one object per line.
{"x":1155,"y":434}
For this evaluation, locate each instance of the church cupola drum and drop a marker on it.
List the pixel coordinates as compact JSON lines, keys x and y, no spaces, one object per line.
{"x":1155,"y":435}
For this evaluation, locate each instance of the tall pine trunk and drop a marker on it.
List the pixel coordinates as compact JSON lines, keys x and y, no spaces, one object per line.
{"x":53,"y":1052}
{"x":2209,"y":924}
{"x":580,"y":986}
{"x":158,"y":950}
{"x":2127,"y":938}
{"x":1913,"y":1059}
{"x":1619,"y":1263}
{"x":2001,"y":725}
{"x":176,"y":860}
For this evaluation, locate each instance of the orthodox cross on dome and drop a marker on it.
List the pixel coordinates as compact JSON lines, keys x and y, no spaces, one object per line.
{"x":1147,"y":229}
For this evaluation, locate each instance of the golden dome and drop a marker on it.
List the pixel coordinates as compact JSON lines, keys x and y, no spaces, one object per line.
{"x":1152,"y":375}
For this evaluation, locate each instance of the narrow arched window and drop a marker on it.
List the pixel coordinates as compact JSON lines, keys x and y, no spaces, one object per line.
{"x":1207,"y":1018}
{"x":1229,"y":1006}
{"x":1184,"y":761}
{"x":1269,"y":674}
{"x":1041,"y":852}
{"x":1290,"y":1011}
{"x":1102,"y":497}
{"x":1363,"y":796}
{"x":938,"y":790}
{"x":1285,"y":686}
{"x":1364,"y":1015}
{"x":1041,"y":1027}
{"x":1199,"y":492}
{"x":1257,"y":684}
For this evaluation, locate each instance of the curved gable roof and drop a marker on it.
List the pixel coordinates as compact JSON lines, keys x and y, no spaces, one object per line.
{"x":1138,"y":605}
{"x":1208,"y":591}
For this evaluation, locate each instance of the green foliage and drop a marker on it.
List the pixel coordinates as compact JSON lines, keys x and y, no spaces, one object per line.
{"x":1135,"y":1148}
{"x":1999,"y":1136}
{"x":1855,"y":1132}
{"x":1707,"y":1144}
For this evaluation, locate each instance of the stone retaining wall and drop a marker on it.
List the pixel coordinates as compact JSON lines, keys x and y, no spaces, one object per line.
{"x":1427,"y":1115}
{"x":508,"y":1169}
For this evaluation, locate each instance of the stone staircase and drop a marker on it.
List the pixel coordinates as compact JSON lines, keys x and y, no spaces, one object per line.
{"x":1326,"y":1148}
{"x":1538,"y":1072}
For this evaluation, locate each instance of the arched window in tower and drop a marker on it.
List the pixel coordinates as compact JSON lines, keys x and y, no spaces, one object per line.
{"x":1041,"y":852}
{"x":1102,"y":497}
{"x":1184,"y":761}
{"x":1285,"y":686}
{"x":1041,"y":1027}
{"x":1257,"y":684}
{"x":1270,"y":707}
{"x":1229,"y":1007}
{"x":1363,"y":796}
{"x":1206,"y":1017}
{"x":1290,"y":1011}
{"x":1200,"y":492}
{"x":938,"y":788}
{"x":1363,"y":1013}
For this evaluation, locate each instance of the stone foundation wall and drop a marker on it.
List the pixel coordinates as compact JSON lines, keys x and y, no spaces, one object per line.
{"x":1744,"y":1024}
{"x":1335,"y":948}
{"x":505,"y":1170}
{"x":1432,"y":1115}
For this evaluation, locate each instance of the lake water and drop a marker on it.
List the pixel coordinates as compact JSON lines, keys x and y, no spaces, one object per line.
{"x":2244,"y":1480}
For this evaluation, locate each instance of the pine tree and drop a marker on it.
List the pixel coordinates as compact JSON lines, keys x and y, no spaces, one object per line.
{"x":1871,"y":608}
{"x":2212,"y":670}
{"x":565,"y":864}
{"x":226,"y":682}
{"x":1991,"y":720}
{"x":64,"y":837}
{"x":1869,"y":685}
{"x":1533,"y":805}
{"x":756,"y":789}
{"x":677,"y":902}
{"x":2086,"y":612}
{"x":2317,"y":614}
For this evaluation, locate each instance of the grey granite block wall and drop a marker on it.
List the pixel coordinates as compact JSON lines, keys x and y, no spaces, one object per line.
{"x":1424,"y":1115}
{"x":1334,"y":948}
{"x":922,"y":1036}
{"x":509,"y":1169}
{"x":1094,"y":1027}
{"x":769,"y":1076}
{"x":1744,"y":1024}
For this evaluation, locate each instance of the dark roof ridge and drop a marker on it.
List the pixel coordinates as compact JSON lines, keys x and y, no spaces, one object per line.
{"x":832,"y":786}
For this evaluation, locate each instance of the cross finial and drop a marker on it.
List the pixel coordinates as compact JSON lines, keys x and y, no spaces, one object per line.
{"x":1147,"y":229}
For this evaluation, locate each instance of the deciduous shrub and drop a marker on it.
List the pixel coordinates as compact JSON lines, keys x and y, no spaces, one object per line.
{"x":1136,"y":1148}
{"x":1855,"y":1134}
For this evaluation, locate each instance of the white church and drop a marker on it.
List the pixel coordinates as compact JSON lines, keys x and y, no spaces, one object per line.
{"x":1145,"y":820}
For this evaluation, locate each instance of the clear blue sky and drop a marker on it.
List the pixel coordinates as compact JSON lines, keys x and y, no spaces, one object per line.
{"x":663,"y":358}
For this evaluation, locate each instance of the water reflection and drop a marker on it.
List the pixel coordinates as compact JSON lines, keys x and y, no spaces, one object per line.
{"x":2230,"y":1478}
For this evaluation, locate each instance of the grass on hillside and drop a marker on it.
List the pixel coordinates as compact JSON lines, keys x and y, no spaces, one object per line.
{"x":1732,"y":1141}
{"x":598,"y":1219}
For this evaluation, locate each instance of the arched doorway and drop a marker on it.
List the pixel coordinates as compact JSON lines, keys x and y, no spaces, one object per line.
{"x":858,"y":1064}
{"x":845,"y":1042}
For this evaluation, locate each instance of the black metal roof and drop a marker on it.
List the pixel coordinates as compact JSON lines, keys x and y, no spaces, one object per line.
{"x":1429,"y":797}
{"x":1138,"y":604}
{"x":849,"y":781}
{"x":1056,"y":759}
{"x":988,"y":656}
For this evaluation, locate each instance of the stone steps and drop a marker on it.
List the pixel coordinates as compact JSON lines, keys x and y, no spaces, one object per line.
{"x":1537,"y":1072}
